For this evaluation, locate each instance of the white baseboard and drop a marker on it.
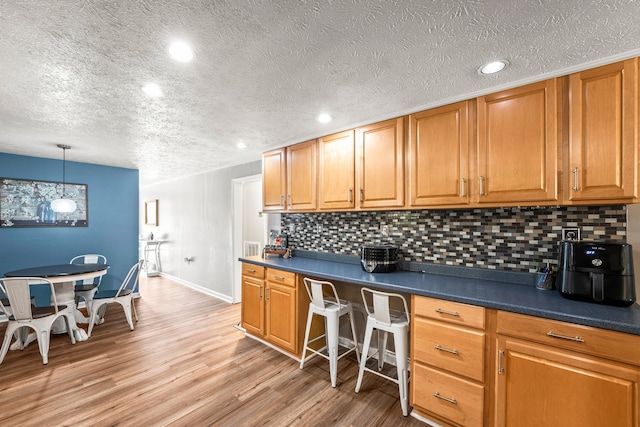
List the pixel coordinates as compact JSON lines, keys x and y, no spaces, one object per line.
{"x":207,"y":291}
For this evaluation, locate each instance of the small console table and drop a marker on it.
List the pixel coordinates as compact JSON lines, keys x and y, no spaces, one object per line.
{"x":151,"y":255}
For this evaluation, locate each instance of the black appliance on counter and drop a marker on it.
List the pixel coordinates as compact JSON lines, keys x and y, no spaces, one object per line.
{"x":596,"y":272}
{"x":379,"y":258}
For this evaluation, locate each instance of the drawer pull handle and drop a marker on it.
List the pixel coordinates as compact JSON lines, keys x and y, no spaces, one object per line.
{"x":250,"y":271}
{"x":450,"y":313}
{"x":278,"y":277}
{"x":448,"y":399}
{"x":564,"y":337}
{"x":260,"y":294}
{"x":439,"y":347}
{"x":500,"y":362}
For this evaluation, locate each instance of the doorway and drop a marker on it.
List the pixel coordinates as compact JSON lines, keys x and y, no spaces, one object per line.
{"x":250,"y":225}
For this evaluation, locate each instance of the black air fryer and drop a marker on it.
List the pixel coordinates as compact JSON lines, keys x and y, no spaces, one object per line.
{"x":596,"y":272}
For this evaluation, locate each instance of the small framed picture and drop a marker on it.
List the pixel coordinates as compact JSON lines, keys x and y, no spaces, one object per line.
{"x":151,"y":212}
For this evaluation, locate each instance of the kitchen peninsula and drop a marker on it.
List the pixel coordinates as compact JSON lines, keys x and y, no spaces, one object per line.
{"x":522,"y":338}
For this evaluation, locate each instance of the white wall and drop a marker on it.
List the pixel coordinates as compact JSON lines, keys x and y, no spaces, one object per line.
{"x":196,"y":219}
{"x":252,"y":222}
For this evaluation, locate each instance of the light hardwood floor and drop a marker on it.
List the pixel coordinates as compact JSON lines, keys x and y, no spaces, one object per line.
{"x":184,"y":365}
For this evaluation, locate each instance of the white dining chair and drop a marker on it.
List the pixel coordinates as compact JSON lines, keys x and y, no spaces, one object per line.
{"x":122,"y":296}
{"x":23,"y":314}
{"x":87,"y":288}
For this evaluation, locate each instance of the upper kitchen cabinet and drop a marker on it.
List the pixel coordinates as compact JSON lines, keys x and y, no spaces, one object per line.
{"x":301,"y":176}
{"x":517,"y":145}
{"x":274,"y":180}
{"x":336,"y":173}
{"x":603,"y":124}
{"x":438,"y":158}
{"x":289,"y":178}
{"x":380,"y":164}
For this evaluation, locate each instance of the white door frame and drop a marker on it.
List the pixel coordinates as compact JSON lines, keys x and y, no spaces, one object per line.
{"x":238,"y":215}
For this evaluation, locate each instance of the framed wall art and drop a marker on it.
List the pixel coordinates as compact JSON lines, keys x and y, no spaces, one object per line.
{"x":27,"y":203}
{"x":151,"y":212}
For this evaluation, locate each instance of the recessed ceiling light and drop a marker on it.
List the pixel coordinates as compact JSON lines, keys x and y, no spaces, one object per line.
{"x":181,"y":51}
{"x":241,"y":145}
{"x":153,"y":90}
{"x":493,"y":67}
{"x":324,"y":118}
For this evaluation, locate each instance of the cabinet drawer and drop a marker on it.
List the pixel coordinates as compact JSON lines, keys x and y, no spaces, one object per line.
{"x":448,"y":311}
{"x":448,"y":396}
{"x":455,"y":349}
{"x":251,"y":270}
{"x":282,"y":277}
{"x":584,"y":339}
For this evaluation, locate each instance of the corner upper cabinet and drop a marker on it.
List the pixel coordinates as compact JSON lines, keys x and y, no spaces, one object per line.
{"x":336,"y":173}
{"x":301,"y":176}
{"x":274,"y":180}
{"x":438,"y":157}
{"x":603,"y":126}
{"x":517,"y":145}
{"x":380,"y":164}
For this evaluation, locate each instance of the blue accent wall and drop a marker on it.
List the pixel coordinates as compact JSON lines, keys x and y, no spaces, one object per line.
{"x":113,"y":215}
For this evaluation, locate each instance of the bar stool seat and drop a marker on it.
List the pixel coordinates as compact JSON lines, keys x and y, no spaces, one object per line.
{"x":381,"y":317}
{"x":331,"y":308}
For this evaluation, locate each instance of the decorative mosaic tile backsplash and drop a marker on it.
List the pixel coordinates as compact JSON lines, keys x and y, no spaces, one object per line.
{"x":510,"y":239}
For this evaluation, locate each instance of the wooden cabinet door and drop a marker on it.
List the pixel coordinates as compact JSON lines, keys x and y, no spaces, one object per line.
{"x":540,"y":386}
{"x":517,"y":144}
{"x":274,"y":180}
{"x":438,"y":159}
{"x":281,"y":316}
{"x":253,"y":306}
{"x":301,"y":176}
{"x":336,"y":176}
{"x":603,"y":133}
{"x":380,"y":164}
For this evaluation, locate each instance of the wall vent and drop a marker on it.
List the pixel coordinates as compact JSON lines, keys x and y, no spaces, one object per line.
{"x":251,"y":248}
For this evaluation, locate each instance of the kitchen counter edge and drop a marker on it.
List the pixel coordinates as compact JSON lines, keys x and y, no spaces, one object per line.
{"x":512,"y":297}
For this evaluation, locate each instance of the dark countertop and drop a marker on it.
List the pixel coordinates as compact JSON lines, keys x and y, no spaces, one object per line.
{"x":508,"y":296}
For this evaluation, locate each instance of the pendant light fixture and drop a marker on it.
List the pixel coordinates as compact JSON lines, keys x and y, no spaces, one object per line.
{"x":63,"y":205}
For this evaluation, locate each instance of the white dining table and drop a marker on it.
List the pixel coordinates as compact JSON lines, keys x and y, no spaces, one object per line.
{"x":64,"y":278}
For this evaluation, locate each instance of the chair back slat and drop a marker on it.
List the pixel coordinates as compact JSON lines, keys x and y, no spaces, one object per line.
{"x":380,"y":305}
{"x":18,"y":291}
{"x":89,"y":259}
{"x":381,"y":308}
{"x":316,"y":291}
{"x":130,"y":283}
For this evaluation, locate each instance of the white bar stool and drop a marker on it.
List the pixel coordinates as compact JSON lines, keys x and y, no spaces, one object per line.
{"x":332,"y":308}
{"x":381,"y":317}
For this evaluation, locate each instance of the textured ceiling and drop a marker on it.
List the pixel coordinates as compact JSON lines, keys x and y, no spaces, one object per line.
{"x":71,"y":71}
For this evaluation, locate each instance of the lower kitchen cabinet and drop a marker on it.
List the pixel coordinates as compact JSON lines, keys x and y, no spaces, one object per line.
{"x":281,"y":316}
{"x":272,"y":309}
{"x":552,"y":373}
{"x":447,"y":361}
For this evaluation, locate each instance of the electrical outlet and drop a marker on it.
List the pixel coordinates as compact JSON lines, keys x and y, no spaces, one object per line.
{"x":319,"y":228}
{"x":571,"y":233}
{"x":384,"y":230}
